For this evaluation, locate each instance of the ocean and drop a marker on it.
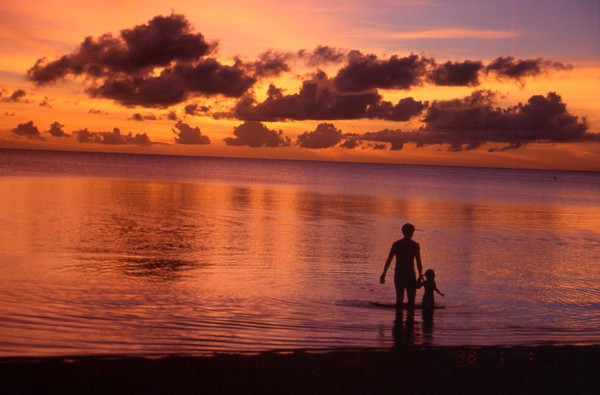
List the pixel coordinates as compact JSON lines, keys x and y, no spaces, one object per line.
{"x":153,"y":255}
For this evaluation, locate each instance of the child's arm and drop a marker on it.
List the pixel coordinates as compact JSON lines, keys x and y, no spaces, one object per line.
{"x":438,"y":291}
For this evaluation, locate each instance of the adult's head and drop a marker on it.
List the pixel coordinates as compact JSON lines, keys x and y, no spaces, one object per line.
{"x":408,"y":230}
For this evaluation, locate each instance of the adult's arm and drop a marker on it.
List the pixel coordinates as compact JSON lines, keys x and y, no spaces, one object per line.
{"x":419,"y":264}
{"x":387,"y":265}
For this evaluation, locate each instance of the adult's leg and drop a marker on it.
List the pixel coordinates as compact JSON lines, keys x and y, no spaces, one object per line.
{"x":411,"y":292}
{"x":399,"y":293}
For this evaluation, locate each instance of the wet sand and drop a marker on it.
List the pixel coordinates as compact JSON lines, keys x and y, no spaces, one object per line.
{"x":441,"y":370}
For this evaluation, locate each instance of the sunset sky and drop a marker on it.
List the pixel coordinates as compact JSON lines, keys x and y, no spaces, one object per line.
{"x":475,"y":83}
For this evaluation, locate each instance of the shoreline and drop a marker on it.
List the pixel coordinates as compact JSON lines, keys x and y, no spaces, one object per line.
{"x":418,"y":369}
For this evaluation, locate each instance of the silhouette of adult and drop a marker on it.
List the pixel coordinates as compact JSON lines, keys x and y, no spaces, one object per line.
{"x":406,"y":251}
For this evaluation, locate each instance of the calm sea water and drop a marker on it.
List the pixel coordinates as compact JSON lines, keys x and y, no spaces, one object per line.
{"x":132,"y":254}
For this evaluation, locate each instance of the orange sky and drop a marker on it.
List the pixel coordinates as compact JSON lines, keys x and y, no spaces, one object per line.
{"x":561,"y":39}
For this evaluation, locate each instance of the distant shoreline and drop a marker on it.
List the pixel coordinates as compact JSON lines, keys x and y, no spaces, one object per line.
{"x":382,"y":163}
{"x":416,"y":369}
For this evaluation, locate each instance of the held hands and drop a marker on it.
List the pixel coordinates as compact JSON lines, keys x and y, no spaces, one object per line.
{"x":382,"y":279}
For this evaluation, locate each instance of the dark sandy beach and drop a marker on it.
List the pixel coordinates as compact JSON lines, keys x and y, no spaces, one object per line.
{"x":506,"y":370}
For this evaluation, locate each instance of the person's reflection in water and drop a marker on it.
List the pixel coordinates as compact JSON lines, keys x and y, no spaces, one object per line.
{"x":427,"y":326}
{"x":403,"y":333}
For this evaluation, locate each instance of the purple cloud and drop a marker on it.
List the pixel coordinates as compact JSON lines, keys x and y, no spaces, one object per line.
{"x":124,"y":67}
{"x":112,"y":138}
{"x":255,"y":134}
{"x":324,"y":136}
{"x":28,"y":130}
{"x":319,"y":100}
{"x":185,"y":134}
{"x":56,"y":130}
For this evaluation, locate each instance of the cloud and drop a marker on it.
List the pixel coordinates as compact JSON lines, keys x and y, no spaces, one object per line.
{"x":456,"y":73}
{"x":271,"y":64}
{"x":56,"y":130}
{"x":324,"y":136}
{"x":404,"y":110}
{"x":172,"y":116}
{"x":156,"y":64}
{"x":45,"y":102}
{"x":473,"y":120}
{"x":317,"y":99}
{"x":95,"y":111}
{"x":255,"y":134}
{"x":159,"y":42}
{"x":185,"y":134}
{"x":509,"y":67}
{"x":395,"y":138}
{"x":322,"y":55}
{"x":350,"y":143}
{"x":27,"y":130}
{"x":14,"y":97}
{"x":112,"y":138}
{"x":146,"y":117}
{"x":175,"y":84}
{"x":468,"y":123}
{"x":368,"y":72}
{"x":196,"y":109}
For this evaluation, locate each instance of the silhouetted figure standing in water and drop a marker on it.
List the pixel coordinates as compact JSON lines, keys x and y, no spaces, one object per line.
{"x":429,"y":284}
{"x":406,"y":251}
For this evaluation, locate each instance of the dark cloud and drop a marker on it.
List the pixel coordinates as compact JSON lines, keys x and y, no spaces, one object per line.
{"x":95,"y":111}
{"x":255,"y":134}
{"x":271,"y":64}
{"x":510,"y":146}
{"x":456,"y":73}
{"x":509,"y":67}
{"x":322,"y":55}
{"x":111,"y":138}
{"x":368,"y":72}
{"x":395,"y":138}
{"x":27,"y":130}
{"x":470,"y":122}
{"x":474,"y":120}
{"x":172,"y":116}
{"x":14,"y":97}
{"x":185,"y":134}
{"x":56,"y":130}
{"x":404,"y":110}
{"x":350,"y":143}
{"x":155,"y":65}
{"x":146,"y":117}
{"x":196,"y":109}
{"x":9,"y":114}
{"x":324,"y":136}
{"x":175,"y":84}
{"x":318,"y":100}
{"x":45,"y":102}
{"x":159,"y":42}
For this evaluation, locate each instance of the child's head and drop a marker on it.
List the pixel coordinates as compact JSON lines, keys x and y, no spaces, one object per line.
{"x":430,"y":274}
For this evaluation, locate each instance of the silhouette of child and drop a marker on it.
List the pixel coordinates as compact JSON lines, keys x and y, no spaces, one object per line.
{"x":430,"y":286}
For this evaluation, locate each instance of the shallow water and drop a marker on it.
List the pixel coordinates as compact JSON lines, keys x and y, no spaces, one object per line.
{"x":132,"y":254}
